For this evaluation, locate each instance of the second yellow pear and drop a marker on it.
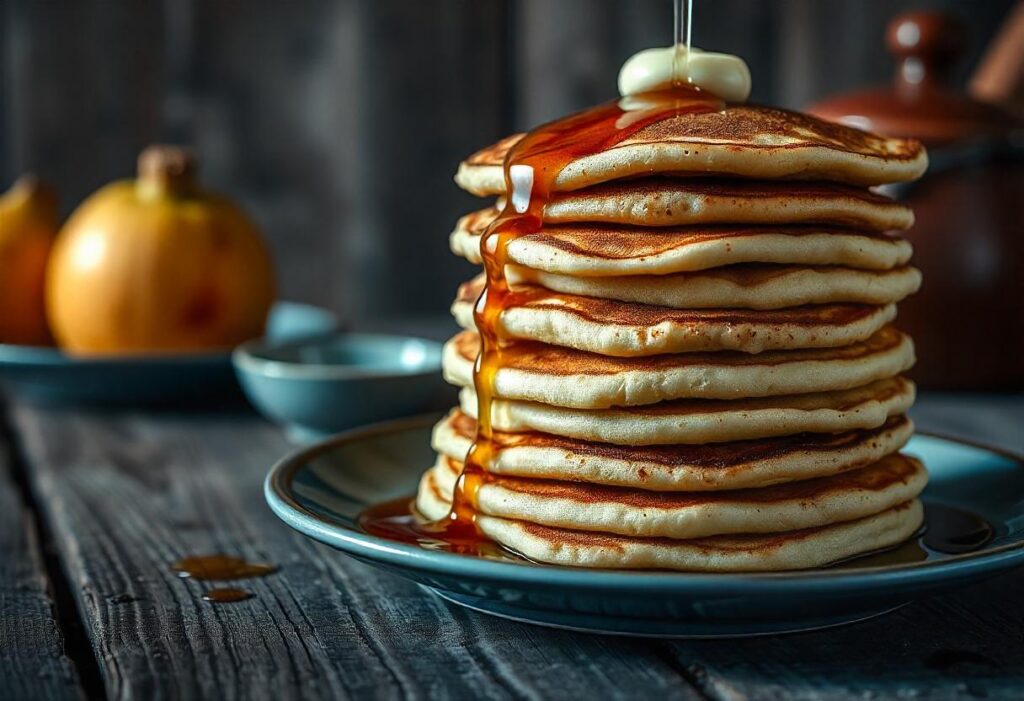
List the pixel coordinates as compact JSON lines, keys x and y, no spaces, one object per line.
{"x":28,"y":224}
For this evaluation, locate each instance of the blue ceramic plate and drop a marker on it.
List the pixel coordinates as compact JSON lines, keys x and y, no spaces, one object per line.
{"x":320,"y":491}
{"x":46,"y":375}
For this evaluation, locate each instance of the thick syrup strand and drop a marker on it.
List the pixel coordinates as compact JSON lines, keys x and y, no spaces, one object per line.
{"x":546,"y":150}
{"x":682,"y":32}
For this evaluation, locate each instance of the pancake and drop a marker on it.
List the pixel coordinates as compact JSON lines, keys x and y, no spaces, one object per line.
{"x":736,"y":465}
{"x":737,"y":286}
{"x":595,"y":250}
{"x":483,"y":173}
{"x":696,"y":421}
{"x":574,"y":379}
{"x":628,"y":329}
{"x":792,"y":550}
{"x":665,"y":202}
{"x":743,"y":140}
{"x":786,"y":507}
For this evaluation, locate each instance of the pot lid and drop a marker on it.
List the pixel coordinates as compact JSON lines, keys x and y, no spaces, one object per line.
{"x":920,"y":102}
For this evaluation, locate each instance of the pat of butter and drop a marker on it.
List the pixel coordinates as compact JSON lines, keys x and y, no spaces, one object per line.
{"x":724,"y":75}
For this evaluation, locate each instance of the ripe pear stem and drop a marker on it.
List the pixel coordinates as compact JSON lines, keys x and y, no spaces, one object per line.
{"x":168,"y":169}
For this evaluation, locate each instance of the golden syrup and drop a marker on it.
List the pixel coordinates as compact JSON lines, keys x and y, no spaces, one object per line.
{"x":547,"y":150}
{"x":220,"y":567}
{"x":206,"y":568}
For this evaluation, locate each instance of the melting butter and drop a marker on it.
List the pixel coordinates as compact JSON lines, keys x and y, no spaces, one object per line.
{"x":724,"y":75}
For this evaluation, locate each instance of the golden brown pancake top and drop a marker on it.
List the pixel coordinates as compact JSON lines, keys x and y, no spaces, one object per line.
{"x":761,"y":126}
{"x":746,"y":125}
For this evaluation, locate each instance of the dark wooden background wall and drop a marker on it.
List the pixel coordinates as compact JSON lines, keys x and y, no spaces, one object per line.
{"x":339,"y":123}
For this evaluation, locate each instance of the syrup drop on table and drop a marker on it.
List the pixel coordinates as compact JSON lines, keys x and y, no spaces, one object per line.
{"x":219,"y":567}
{"x":205,"y":568}
{"x":226,"y":595}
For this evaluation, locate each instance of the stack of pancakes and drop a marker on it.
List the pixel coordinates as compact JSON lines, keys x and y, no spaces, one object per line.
{"x":702,"y":373}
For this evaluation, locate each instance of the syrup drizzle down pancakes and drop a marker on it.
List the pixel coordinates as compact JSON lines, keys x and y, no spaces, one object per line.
{"x":681,"y":355}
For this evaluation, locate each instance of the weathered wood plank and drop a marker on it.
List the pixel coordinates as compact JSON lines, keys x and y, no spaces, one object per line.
{"x":127,"y":495}
{"x":965,"y":645}
{"x":32,"y":660}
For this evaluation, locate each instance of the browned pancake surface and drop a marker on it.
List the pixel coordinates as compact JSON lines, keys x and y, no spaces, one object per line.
{"x":741,"y":195}
{"x":891,"y":470}
{"x":618,"y":313}
{"x":749,"y":126}
{"x":542,"y":359}
{"x":762,"y":542}
{"x":619,"y":242}
{"x":758,"y":126}
{"x":713,"y":456}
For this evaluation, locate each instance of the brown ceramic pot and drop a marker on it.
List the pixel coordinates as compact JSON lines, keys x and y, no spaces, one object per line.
{"x":968,"y":319}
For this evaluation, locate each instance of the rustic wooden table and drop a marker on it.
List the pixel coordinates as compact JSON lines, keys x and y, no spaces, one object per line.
{"x":95,"y":506}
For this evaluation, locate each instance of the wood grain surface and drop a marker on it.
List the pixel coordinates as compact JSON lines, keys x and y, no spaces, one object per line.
{"x":126,"y":494}
{"x":32,"y":660}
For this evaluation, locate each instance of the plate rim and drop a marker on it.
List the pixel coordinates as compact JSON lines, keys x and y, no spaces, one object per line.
{"x":277,"y":493}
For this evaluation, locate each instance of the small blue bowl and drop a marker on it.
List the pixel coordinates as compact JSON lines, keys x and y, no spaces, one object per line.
{"x":320,"y":386}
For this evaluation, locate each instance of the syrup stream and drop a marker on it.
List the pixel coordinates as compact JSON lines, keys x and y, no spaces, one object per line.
{"x":682,"y":34}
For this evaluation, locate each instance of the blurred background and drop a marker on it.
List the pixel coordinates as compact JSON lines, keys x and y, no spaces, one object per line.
{"x":339,"y":123}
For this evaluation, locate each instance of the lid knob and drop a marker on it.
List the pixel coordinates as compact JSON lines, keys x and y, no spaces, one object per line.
{"x":926,"y":45}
